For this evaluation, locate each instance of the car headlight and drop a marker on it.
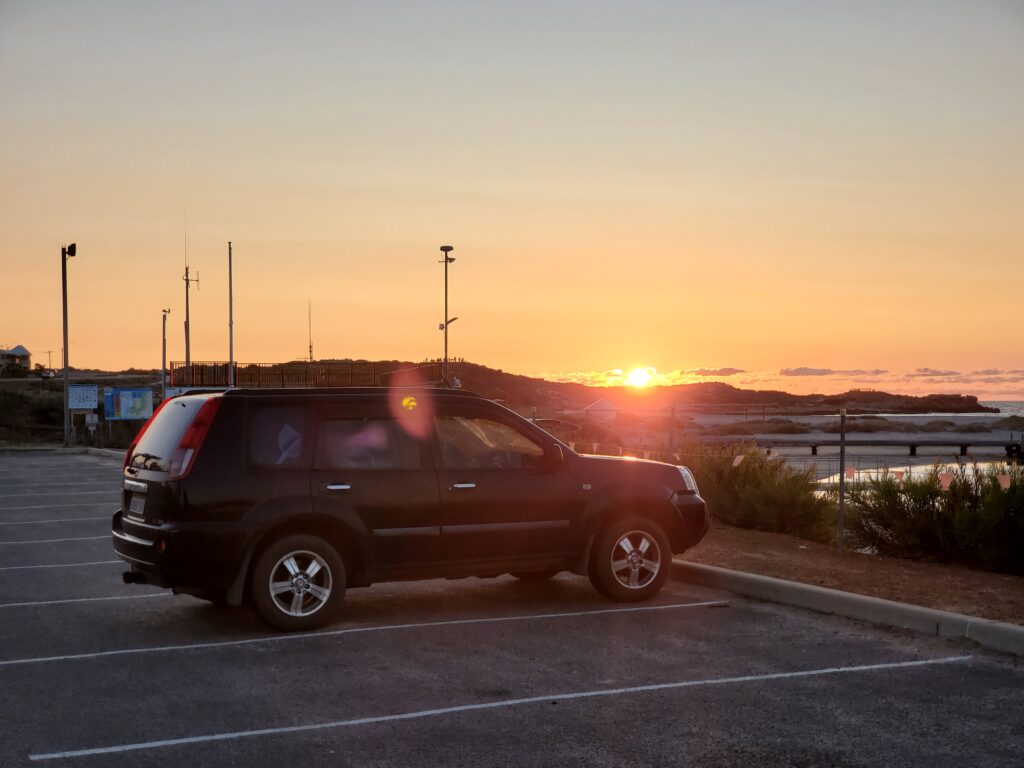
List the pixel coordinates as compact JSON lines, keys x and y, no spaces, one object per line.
{"x":688,"y":482}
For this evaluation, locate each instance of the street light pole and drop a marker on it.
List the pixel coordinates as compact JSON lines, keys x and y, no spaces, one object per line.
{"x":66,"y":253}
{"x":163,"y":358}
{"x":447,"y":259}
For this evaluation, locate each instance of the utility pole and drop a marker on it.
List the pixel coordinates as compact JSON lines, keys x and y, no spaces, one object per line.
{"x":65,"y":254}
{"x":231,"y":324}
{"x":189,"y":380}
{"x":672,"y":427}
{"x":842,"y":476}
{"x":309,"y":308}
{"x":163,"y":357}
{"x":49,"y":361}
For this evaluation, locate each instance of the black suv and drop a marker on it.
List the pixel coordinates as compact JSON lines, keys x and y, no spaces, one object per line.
{"x":283,"y":498}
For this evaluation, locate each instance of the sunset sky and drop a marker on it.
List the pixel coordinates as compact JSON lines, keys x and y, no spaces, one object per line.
{"x":806,"y":196}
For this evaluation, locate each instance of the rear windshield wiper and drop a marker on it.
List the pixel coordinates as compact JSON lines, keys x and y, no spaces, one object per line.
{"x":147,"y":457}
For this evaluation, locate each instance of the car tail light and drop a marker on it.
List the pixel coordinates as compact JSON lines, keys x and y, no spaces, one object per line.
{"x":184,"y":457}
{"x":135,"y":442}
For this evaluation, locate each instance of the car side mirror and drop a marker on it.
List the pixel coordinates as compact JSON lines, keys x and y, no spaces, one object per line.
{"x":553,"y":457}
{"x":549,"y":461}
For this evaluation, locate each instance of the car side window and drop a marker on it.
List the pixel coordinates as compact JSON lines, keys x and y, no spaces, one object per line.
{"x":276,"y":436}
{"x":366,"y":444}
{"x":468,"y":442}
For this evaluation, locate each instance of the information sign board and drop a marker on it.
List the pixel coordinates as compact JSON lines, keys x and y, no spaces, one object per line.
{"x":82,"y":397}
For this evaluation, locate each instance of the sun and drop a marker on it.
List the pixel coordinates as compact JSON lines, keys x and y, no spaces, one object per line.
{"x":638,"y":377}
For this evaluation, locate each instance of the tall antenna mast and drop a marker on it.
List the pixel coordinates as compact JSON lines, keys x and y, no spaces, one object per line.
{"x":310,"y":309}
{"x":188,"y":340}
{"x":231,"y":325}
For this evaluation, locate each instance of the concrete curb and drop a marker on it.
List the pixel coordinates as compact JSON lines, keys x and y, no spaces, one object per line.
{"x":995,"y":635}
{"x":109,"y":453}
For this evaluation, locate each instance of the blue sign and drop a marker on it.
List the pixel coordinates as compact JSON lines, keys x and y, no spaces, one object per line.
{"x":127,"y":404}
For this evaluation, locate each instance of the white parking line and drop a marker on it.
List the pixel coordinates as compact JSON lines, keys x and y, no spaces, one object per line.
{"x":57,"y":565}
{"x":56,"y":493}
{"x":423,"y":713}
{"x":58,"y":506}
{"x":41,"y":486}
{"x":25,"y":477}
{"x":61,"y":520}
{"x":54,"y":541}
{"x":81,"y":469}
{"x":352,"y":631}
{"x":83,"y":600}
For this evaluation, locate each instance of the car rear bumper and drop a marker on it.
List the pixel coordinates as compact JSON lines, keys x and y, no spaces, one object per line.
{"x":168,"y":555}
{"x":145,"y":547}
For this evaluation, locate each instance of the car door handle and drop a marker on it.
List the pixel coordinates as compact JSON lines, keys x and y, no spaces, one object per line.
{"x":338,"y":487}
{"x":462,"y":487}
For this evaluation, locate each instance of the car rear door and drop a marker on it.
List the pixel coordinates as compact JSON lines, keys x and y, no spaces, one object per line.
{"x":367,"y":464}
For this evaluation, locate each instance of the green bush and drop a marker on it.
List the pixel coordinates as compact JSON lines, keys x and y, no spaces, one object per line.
{"x":974,"y":522}
{"x":761,"y":493}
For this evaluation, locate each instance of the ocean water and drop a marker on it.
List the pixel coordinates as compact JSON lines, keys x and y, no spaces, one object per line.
{"x":1006,"y":407}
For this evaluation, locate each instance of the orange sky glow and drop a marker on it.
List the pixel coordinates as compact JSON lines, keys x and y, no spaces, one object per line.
{"x":786,"y":195}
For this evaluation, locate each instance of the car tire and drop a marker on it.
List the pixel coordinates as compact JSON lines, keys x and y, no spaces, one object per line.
{"x":298,"y":583}
{"x":536,"y":576}
{"x":631,"y":559}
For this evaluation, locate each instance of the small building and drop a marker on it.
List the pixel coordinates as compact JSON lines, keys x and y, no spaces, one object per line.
{"x":15,"y":361}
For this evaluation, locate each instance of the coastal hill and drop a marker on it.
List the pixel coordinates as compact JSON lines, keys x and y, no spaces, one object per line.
{"x":524,"y":391}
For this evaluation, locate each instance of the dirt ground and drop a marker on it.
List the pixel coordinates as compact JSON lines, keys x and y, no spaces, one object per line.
{"x":946,"y":587}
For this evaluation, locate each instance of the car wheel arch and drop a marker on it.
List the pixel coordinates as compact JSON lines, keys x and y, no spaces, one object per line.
{"x":659,"y":510}
{"x":353,"y":547}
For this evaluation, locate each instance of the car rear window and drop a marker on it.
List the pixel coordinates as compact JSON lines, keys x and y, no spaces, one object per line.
{"x":277,"y":436}
{"x":156,"y":446}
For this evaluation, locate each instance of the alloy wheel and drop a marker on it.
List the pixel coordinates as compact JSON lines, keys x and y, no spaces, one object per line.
{"x":636,"y":559}
{"x":300,"y":583}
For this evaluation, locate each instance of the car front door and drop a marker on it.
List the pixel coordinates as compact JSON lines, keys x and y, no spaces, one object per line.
{"x":367,"y":464}
{"x":503,"y":499}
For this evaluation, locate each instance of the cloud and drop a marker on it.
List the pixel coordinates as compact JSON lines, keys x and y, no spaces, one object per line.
{"x":804,"y":371}
{"x":998,"y":372}
{"x":613,"y":377}
{"x":919,"y":372}
{"x":716,"y":371}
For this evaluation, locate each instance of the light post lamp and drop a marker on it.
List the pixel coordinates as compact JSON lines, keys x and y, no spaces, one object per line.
{"x":163,"y":357}
{"x":446,"y":260}
{"x":66,"y":252}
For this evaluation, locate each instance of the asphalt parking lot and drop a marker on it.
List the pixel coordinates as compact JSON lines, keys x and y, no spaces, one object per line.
{"x":453,"y":673}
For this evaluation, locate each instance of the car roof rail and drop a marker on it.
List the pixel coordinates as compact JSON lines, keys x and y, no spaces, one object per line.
{"x":315,"y":391}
